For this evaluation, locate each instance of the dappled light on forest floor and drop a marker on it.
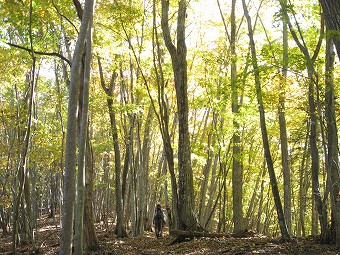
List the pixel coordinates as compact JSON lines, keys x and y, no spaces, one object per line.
{"x":47,"y":239}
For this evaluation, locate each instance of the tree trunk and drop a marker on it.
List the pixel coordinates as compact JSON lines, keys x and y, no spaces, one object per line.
{"x":71,"y":140}
{"x":333,"y":150}
{"x":273,"y":182}
{"x":283,"y":129}
{"x":331,"y":12}
{"x":120,"y":223}
{"x":303,"y":186}
{"x":90,"y":238}
{"x":22,"y":166}
{"x":187,"y":219}
{"x":312,"y":86}
{"x":237,"y":172}
{"x":144,"y":173}
{"x":83,"y":135}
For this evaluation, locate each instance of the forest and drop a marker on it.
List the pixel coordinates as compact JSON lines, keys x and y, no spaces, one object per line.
{"x":223,"y":112}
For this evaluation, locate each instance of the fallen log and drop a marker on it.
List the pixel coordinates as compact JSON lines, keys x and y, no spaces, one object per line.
{"x":244,"y":233}
{"x":191,"y":234}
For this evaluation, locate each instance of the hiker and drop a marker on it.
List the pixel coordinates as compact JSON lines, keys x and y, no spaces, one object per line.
{"x":159,"y":220}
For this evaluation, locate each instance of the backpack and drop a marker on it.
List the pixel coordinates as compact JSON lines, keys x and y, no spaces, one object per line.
{"x":159,"y":215}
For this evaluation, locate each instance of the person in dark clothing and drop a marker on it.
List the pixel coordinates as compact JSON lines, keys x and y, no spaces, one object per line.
{"x":159,"y":220}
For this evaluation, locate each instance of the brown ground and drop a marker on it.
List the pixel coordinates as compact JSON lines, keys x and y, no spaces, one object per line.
{"x":47,"y":237}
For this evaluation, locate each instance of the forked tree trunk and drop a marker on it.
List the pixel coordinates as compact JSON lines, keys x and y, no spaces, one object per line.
{"x":71,"y":140}
{"x":187,"y":219}
{"x":82,"y":142}
{"x":163,"y":118}
{"x":120,"y":221}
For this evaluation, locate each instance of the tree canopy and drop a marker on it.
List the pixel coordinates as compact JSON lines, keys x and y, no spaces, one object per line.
{"x":224,"y":112}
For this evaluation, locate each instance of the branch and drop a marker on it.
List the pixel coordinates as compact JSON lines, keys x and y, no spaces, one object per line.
{"x":78,"y":8}
{"x":166,"y":30}
{"x":181,"y":24}
{"x":63,"y":16}
{"x":55,"y":54}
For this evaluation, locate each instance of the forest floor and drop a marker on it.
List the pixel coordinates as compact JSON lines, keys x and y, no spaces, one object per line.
{"x":47,"y":241}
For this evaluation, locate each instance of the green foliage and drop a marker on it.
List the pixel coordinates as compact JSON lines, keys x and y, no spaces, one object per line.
{"x":123,"y":36}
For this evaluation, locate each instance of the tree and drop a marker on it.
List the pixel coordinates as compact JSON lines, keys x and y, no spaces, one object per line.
{"x":163,"y":117}
{"x":283,"y":128}
{"x":23,"y":181}
{"x":187,"y":219}
{"x":312,"y":95}
{"x":273,"y":182}
{"x":83,"y":136}
{"x":120,"y":226}
{"x":237,"y":174}
{"x":71,"y":139}
{"x":333,"y":150}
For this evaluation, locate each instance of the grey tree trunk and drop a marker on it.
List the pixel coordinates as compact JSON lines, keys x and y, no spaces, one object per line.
{"x":273,"y":182}
{"x":83,"y":135}
{"x":304,"y":184}
{"x":187,"y":219}
{"x":22,"y":166}
{"x":90,"y":239}
{"x":71,"y":139}
{"x":143,"y":179}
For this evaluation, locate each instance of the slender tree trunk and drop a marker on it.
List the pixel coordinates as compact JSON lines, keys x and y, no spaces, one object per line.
{"x":303,"y":189}
{"x":90,"y":238}
{"x":205,"y":181}
{"x":273,"y":182}
{"x":120,"y":222}
{"x":22,"y":170}
{"x":237,"y":173}
{"x":144,"y":172}
{"x":283,"y":129}
{"x":312,"y":84}
{"x":320,"y":206}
